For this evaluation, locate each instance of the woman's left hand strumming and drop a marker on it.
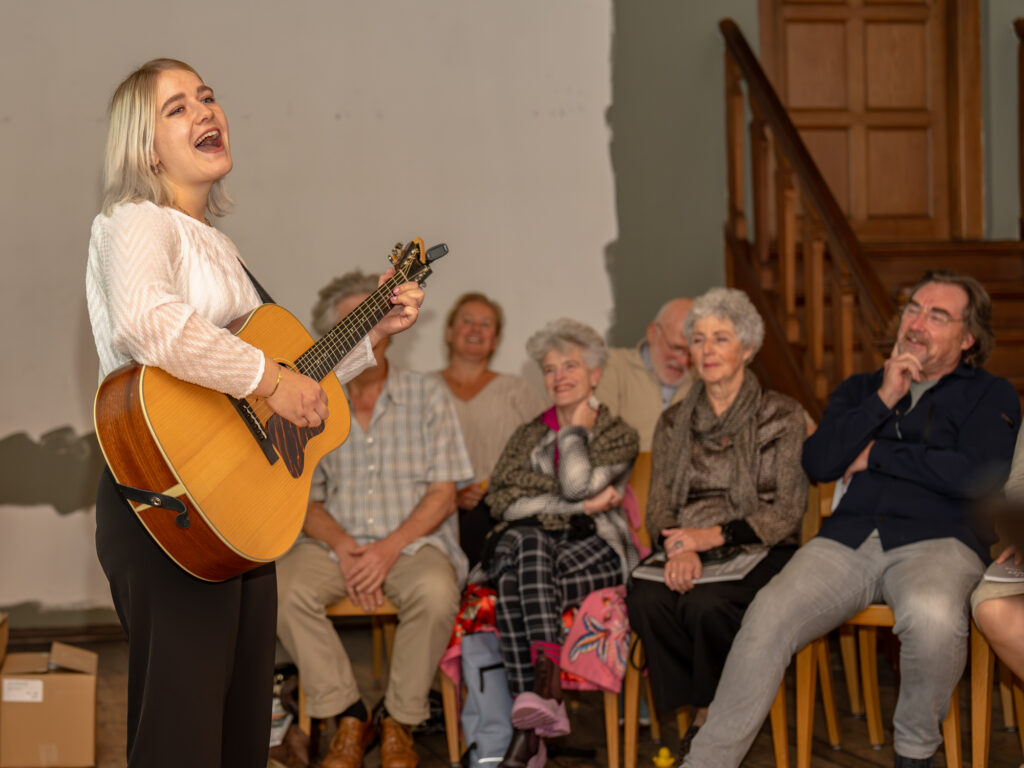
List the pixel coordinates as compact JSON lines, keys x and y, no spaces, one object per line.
{"x":407,"y":298}
{"x":679,"y":540}
{"x":681,"y":570}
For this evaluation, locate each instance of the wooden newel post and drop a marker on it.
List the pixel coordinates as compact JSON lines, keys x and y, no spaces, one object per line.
{"x":785,"y":236}
{"x":737,"y":221}
{"x":843,"y":314}
{"x":814,"y":300}
{"x":760,"y":153}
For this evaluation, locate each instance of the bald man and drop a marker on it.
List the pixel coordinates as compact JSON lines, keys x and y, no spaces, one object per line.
{"x":638,"y":383}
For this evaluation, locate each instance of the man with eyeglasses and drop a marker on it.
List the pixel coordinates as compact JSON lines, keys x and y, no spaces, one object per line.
{"x":639,"y":382}
{"x":918,"y":444}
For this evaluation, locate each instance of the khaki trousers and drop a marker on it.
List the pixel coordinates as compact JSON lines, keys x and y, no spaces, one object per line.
{"x":423,"y":587}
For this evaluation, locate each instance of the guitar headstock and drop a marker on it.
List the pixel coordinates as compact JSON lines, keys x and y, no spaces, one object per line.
{"x":412,"y":261}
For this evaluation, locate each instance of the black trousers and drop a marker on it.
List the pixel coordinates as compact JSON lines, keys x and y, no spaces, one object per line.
{"x":687,"y":636}
{"x":200,"y":654}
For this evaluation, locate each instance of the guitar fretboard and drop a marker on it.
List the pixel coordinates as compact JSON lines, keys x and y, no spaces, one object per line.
{"x":321,"y":358}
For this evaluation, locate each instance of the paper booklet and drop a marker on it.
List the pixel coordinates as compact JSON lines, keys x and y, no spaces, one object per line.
{"x":1005,"y":572}
{"x":733,"y":569}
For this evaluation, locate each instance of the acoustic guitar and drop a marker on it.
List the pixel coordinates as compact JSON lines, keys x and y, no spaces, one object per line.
{"x":222,"y":484}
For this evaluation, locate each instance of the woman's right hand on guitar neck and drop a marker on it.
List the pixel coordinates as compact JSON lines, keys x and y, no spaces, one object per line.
{"x":295,"y":397}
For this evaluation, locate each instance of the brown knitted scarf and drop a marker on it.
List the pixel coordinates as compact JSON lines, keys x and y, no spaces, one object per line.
{"x":737,"y":425}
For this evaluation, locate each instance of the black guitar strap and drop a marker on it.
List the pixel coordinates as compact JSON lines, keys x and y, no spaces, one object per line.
{"x":264,"y":296}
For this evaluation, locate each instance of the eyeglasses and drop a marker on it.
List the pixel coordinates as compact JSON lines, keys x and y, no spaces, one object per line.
{"x":679,"y":349}
{"x":936,"y":318}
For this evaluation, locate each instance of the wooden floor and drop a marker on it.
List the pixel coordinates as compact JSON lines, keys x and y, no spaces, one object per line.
{"x":586,"y":716}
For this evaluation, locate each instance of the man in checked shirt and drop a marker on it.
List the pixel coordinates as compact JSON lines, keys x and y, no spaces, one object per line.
{"x":379,"y":524}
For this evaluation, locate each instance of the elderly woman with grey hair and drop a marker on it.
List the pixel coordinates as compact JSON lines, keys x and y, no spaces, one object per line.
{"x":725,"y":474}
{"x":557,"y":490}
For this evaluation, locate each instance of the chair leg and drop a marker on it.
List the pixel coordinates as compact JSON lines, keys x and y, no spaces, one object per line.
{"x":848,"y":651}
{"x":1018,"y":705}
{"x":451,"y":720}
{"x":982,"y":660}
{"x":376,"y":643}
{"x":780,"y":732}
{"x":652,"y":710}
{"x":611,"y":727}
{"x":805,"y":685}
{"x":1006,"y":696}
{"x":828,"y":698}
{"x":683,"y":720}
{"x":631,"y":710}
{"x":303,"y":714}
{"x":867,"y":639}
{"x":390,"y":624}
{"x":951,"y":733}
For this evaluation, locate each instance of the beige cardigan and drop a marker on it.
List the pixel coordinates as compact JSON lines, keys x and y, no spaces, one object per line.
{"x":631,"y":390}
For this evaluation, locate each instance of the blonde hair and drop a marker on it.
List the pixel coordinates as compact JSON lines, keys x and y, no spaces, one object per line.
{"x":128,"y":176}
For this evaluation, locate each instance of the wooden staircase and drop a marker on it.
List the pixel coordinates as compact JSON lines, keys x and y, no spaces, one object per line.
{"x":830,"y":302}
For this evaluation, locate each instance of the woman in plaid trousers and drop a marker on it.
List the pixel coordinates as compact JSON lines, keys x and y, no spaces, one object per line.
{"x":557,"y":490}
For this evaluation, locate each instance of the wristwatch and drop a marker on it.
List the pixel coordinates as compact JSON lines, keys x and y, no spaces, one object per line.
{"x":728,"y":534}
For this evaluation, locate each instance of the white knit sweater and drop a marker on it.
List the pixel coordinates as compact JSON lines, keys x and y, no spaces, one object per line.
{"x":161,"y":286}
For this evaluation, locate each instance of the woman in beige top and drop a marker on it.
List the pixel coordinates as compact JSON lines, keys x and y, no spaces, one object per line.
{"x":489,"y":405}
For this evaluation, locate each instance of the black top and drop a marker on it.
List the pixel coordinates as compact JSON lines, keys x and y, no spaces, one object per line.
{"x":926,"y":468}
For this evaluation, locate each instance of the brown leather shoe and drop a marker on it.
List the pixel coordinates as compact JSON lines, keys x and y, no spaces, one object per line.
{"x":396,"y":749}
{"x":349,"y":743}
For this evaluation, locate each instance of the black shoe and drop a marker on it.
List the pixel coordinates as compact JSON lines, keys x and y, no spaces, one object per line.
{"x":684,"y":743}
{"x":912,"y":762}
{"x":524,"y":751}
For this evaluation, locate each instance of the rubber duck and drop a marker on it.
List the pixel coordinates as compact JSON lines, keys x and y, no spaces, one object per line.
{"x":663,"y":759}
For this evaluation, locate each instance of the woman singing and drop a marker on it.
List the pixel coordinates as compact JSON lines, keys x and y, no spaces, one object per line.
{"x":161,"y":284}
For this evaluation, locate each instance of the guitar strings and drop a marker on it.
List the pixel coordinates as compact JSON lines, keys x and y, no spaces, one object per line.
{"x":324,"y":355}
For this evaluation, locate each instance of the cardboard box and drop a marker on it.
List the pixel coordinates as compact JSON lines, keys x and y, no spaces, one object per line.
{"x":48,"y":708}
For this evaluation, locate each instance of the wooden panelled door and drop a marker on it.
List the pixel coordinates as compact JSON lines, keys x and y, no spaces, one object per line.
{"x":887,"y":97}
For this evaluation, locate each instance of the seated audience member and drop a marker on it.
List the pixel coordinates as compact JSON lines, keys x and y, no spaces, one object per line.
{"x":557,"y":489}
{"x":640,"y":382}
{"x":489,"y":405}
{"x":918,"y":442}
{"x":380,"y":523}
{"x":726,"y":472}
{"x":999,"y":606}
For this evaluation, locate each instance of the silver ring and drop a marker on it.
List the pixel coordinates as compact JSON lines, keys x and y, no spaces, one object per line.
{"x":677,"y":545}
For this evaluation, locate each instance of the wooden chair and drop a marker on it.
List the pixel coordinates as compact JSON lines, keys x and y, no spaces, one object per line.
{"x":385,"y":619}
{"x":777,"y":716}
{"x":864,"y":626}
{"x":1011,"y":692}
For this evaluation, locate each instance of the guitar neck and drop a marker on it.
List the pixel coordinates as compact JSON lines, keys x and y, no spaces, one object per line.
{"x":321,"y":358}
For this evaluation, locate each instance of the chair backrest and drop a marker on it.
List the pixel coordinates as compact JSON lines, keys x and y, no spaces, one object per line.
{"x":640,"y":482}
{"x":819,"y":506}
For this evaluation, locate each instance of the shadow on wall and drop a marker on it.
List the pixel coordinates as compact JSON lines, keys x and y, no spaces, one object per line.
{"x":62,"y":470}
{"x":647,"y":119}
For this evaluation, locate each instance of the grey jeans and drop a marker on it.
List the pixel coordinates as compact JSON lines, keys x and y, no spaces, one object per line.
{"x":926,"y":584}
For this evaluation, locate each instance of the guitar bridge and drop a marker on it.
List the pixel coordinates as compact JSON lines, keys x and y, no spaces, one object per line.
{"x":255,"y":428}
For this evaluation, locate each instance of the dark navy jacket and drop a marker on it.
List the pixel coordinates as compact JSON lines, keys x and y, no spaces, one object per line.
{"x":926,"y":468}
